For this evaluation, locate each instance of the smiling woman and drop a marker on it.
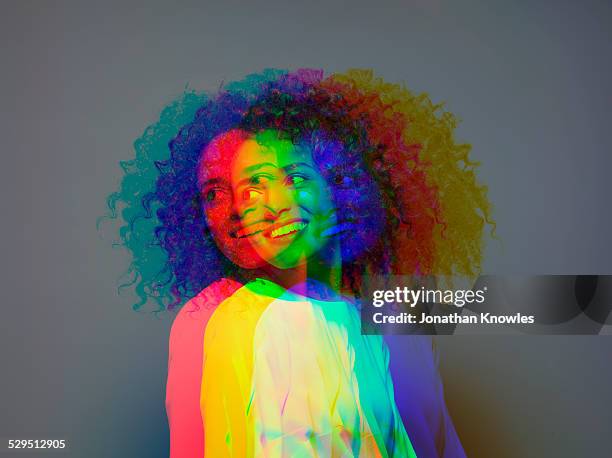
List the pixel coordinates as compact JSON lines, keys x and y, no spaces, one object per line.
{"x":329,"y":393}
{"x":275,"y":200}
{"x":282,"y":200}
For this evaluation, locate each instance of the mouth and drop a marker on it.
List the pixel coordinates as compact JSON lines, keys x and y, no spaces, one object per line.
{"x":337,"y":229}
{"x":247,"y":232}
{"x":273,"y":231}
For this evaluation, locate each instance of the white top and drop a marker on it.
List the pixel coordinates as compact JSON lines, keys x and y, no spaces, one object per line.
{"x":320,"y":388}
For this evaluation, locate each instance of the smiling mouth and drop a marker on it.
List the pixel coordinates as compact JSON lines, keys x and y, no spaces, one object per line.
{"x":272,"y":231}
{"x":337,"y":229}
{"x":286,"y":229}
{"x":244,"y":233}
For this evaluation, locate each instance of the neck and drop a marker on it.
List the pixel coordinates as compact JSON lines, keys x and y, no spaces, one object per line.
{"x":314,"y":277}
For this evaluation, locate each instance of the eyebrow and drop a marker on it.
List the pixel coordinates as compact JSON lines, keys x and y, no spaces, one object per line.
{"x":297,"y":165}
{"x":287,"y":168}
{"x":252,"y":168}
{"x":213,"y":181}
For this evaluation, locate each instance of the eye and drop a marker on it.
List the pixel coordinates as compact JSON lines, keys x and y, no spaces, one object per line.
{"x":212,"y":195}
{"x":260,"y":178}
{"x":296,"y":179}
{"x":342,"y":180}
{"x":251,"y":194}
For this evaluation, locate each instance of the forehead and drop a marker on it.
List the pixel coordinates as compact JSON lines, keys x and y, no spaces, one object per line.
{"x":270,"y":152}
{"x":218,"y":156}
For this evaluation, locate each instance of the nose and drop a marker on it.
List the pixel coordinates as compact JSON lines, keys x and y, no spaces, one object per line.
{"x":277,"y":200}
{"x":234,"y":216}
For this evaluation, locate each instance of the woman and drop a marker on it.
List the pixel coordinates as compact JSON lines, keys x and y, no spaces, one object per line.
{"x":311,"y":399}
{"x":319,"y":223}
{"x":374,"y":133}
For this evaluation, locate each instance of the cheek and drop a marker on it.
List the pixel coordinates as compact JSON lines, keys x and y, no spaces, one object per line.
{"x":238,"y":251}
{"x":306,"y":197}
{"x":317,"y":198}
{"x":218,"y":221}
{"x":218,"y":217}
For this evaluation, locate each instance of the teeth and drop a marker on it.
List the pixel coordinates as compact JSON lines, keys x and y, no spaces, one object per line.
{"x":287,"y":228}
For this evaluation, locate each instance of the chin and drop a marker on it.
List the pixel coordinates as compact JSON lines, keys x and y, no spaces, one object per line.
{"x":244,"y":257}
{"x":288,"y":262}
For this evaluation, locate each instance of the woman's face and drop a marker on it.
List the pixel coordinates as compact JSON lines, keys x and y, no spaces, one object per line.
{"x":266,"y":201}
{"x":214,"y":177}
{"x":282,"y":200}
{"x":361,"y":217}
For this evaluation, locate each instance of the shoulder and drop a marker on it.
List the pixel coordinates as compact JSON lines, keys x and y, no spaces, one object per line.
{"x":196,"y":312}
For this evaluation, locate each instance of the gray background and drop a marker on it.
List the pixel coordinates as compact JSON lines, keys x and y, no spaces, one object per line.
{"x":530,"y":81}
